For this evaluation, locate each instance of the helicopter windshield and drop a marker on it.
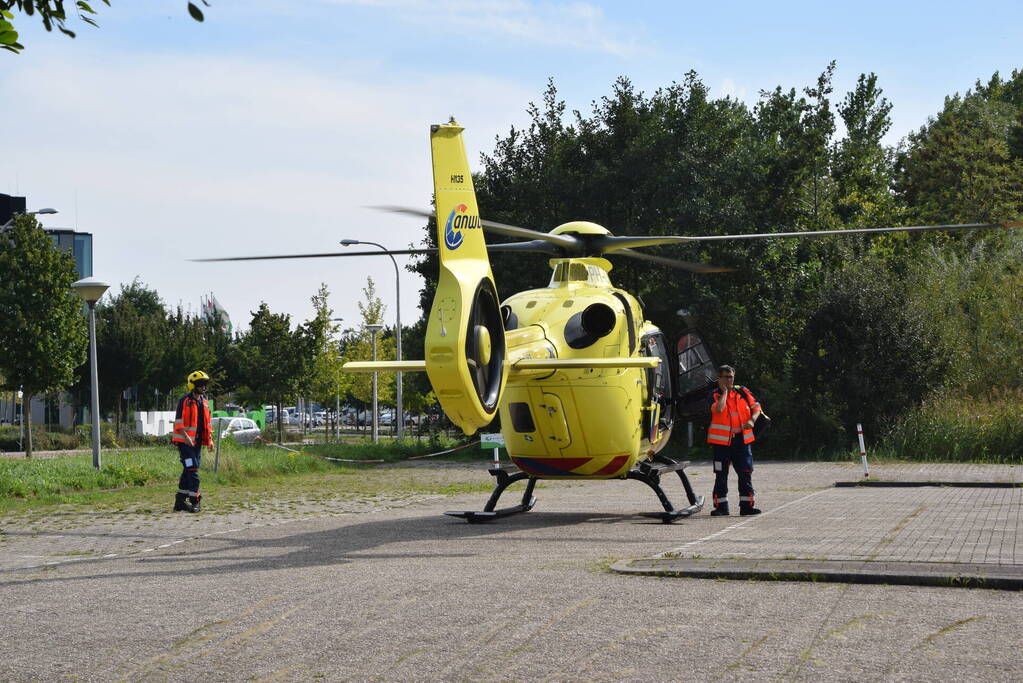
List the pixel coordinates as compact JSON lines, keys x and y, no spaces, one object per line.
{"x":578,"y":271}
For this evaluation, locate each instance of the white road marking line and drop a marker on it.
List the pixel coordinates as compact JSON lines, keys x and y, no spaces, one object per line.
{"x":685,"y":546}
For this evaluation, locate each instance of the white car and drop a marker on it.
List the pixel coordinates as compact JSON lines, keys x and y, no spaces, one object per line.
{"x":242,"y":429}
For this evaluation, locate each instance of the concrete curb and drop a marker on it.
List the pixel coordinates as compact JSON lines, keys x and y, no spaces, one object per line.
{"x":947,"y":575}
{"x":916,"y":484}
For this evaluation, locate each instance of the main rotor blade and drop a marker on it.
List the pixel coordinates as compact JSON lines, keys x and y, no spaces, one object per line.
{"x":566,"y":241}
{"x":612,"y":244}
{"x":330,"y":255}
{"x":674,"y":263}
{"x":531,"y":247}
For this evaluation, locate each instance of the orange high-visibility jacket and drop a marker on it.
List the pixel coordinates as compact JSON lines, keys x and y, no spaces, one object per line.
{"x":186,"y":421}
{"x":738,"y":406}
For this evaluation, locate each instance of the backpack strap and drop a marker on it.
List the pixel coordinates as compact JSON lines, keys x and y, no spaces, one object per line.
{"x":746,"y":395}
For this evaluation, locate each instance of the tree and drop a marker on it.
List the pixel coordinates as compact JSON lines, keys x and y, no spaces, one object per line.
{"x":863,"y":168}
{"x":188,"y":343}
{"x":866,"y":355}
{"x":271,"y":361}
{"x":964,"y":166}
{"x":53,"y":15}
{"x":131,"y":336}
{"x":976,"y":299}
{"x":325,"y":381}
{"x":42,"y":329}
{"x":360,"y":347}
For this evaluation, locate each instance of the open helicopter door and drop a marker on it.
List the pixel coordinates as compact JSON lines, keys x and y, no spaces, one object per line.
{"x":465,"y":343}
{"x":697,"y":372}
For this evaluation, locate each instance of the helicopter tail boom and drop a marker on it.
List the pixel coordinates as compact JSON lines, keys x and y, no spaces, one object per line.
{"x":465,"y":342}
{"x":385,"y":366}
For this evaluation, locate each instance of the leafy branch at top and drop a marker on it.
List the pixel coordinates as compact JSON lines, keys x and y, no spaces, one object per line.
{"x":54,"y":15}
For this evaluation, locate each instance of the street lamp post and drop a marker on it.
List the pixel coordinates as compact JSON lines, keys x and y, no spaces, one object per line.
{"x":373,"y":330}
{"x":399,"y":407}
{"x":91,"y":289}
{"x":337,"y":407}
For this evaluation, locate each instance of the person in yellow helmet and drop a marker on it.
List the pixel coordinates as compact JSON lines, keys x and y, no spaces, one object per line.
{"x":191,"y":432}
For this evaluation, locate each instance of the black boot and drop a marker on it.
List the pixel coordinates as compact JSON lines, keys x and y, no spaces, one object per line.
{"x":182,"y":504}
{"x":748,"y":510}
{"x":719,"y":511}
{"x":195,"y":501}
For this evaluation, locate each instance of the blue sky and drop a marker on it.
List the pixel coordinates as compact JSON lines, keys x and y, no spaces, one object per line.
{"x":269,"y":127}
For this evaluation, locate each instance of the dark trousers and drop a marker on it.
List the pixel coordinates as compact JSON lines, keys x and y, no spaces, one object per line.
{"x":190,"y":457}
{"x":740,"y":456}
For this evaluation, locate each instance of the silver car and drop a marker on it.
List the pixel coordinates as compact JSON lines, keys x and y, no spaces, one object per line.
{"x":242,"y":429}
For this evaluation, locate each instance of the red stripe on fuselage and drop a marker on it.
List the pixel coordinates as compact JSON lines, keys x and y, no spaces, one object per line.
{"x":612,"y":467}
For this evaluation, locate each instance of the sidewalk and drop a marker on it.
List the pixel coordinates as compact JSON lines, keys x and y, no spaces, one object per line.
{"x":917,"y":535}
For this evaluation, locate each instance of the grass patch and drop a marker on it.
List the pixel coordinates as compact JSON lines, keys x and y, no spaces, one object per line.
{"x":959,"y":429}
{"x":245,"y":474}
{"x":396,"y":451}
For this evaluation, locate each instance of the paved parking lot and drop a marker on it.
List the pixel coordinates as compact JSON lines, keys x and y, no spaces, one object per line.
{"x":377,"y":589}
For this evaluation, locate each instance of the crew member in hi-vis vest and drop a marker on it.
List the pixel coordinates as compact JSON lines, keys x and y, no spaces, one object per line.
{"x":733,"y":412}
{"x":191,"y":433}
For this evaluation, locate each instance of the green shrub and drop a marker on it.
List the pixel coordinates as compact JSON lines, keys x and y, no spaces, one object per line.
{"x":959,"y":429}
{"x":44,"y":438}
{"x":107,"y":435}
{"x":127,"y":474}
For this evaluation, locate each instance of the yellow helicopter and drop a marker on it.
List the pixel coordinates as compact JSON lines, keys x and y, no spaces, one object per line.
{"x":582,"y":382}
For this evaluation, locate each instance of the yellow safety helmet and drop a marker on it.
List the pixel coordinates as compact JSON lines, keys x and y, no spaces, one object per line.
{"x":196,"y":376}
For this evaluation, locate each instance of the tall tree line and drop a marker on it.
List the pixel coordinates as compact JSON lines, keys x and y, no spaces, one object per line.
{"x":830,"y":331}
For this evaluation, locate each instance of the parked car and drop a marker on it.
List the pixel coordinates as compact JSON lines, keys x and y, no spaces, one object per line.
{"x":319,"y":418}
{"x":242,"y":429}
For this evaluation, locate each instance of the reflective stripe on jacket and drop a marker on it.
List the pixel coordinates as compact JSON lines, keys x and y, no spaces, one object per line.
{"x":186,"y":421}
{"x":738,"y":407}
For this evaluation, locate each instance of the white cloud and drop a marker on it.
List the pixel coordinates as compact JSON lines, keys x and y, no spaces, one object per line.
{"x":578,"y":25}
{"x":170,"y":158}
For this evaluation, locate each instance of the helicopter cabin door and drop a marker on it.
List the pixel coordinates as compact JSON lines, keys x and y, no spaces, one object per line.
{"x":697,"y":374}
{"x":660,"y":407}
{"x":552,"y":417}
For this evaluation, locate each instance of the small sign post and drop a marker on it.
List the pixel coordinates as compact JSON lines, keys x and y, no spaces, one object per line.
{"x":216,"y":458}
{"x":494,"y":441}
{"x":863,"y":449}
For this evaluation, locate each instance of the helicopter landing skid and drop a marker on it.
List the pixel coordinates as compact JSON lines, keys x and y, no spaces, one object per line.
{"x":504,"y":480}
{"x":650,"y":474}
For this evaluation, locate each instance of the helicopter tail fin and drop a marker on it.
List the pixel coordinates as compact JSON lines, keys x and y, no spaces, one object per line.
{"x":465,"y":344}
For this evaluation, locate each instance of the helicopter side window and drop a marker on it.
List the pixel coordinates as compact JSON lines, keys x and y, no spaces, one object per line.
{"x":522,"y":419}
{"x":659,"y":378}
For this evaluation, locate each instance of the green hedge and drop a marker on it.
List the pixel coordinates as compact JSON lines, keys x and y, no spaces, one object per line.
{"x":56,"y":438}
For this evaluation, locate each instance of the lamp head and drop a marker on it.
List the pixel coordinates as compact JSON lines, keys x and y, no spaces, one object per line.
{"x":348,"y":243}
{"x":90,"y":289}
